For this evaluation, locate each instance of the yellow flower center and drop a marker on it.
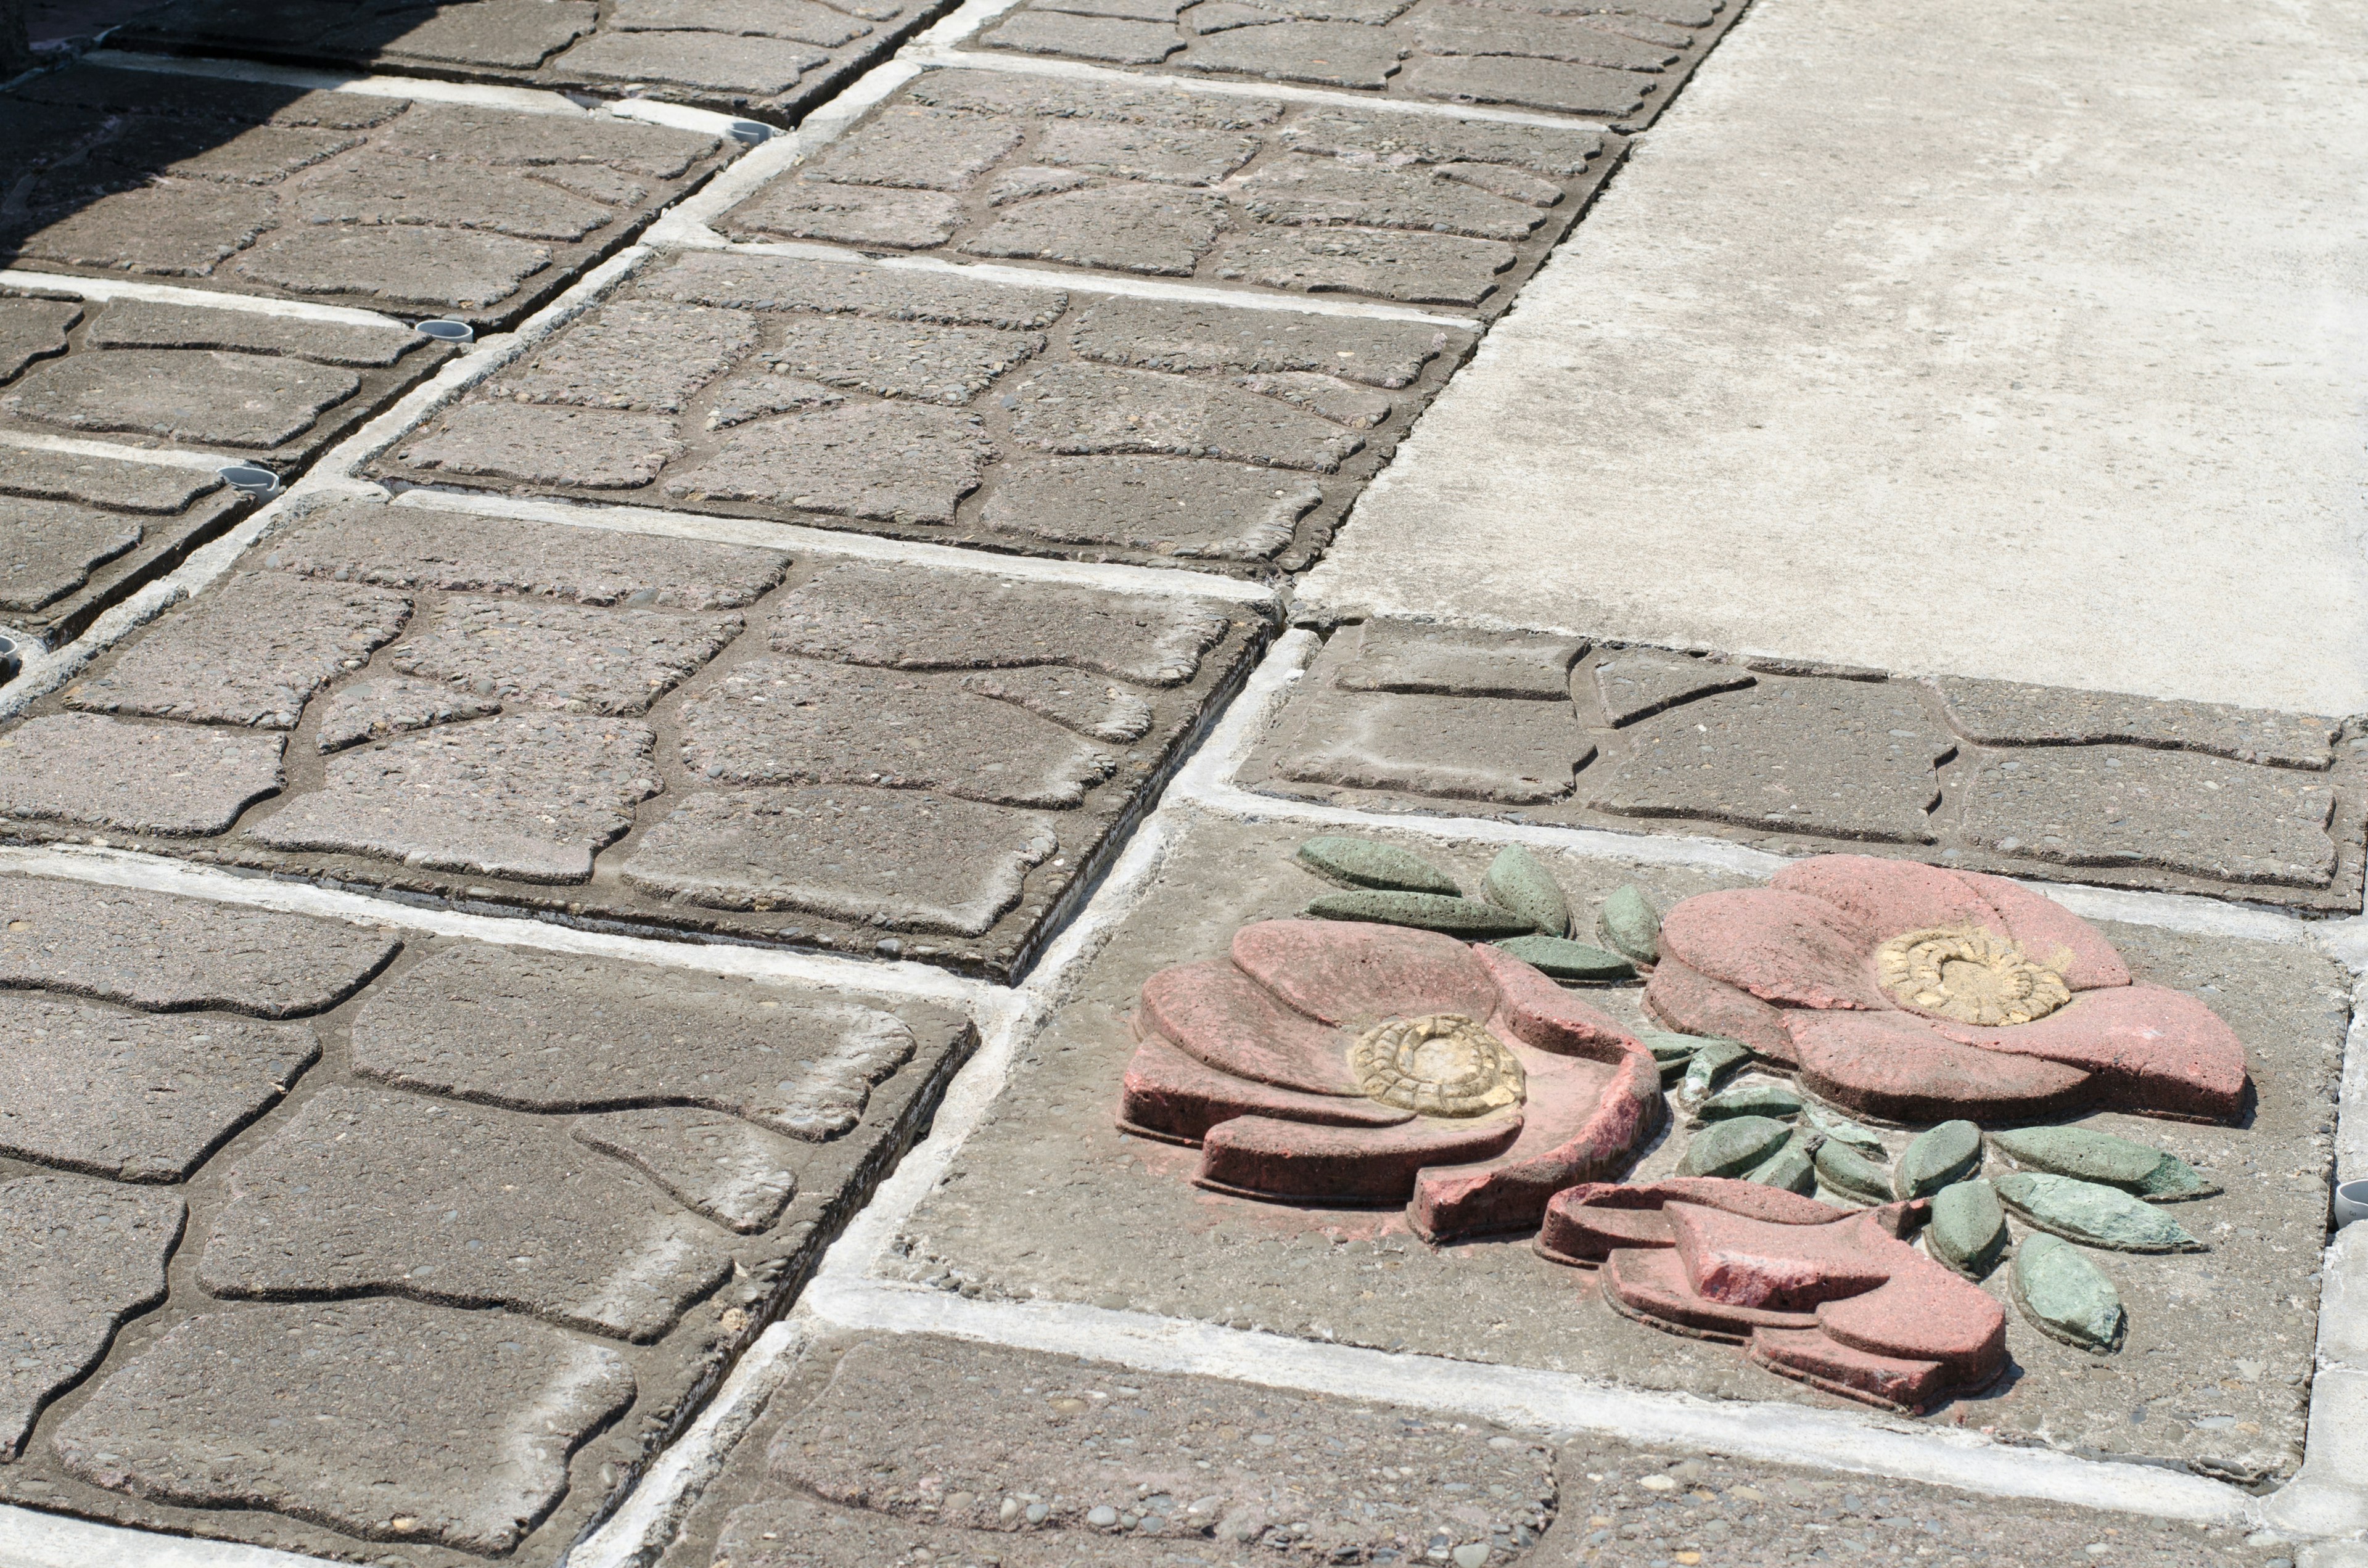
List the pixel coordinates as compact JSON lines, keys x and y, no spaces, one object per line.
{"x":1442,"y":1066}
{"x":1970,"y":974}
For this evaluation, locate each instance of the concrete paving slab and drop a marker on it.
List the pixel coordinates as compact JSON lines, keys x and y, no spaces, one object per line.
{"x":1152,"y":177}
{"x":1049,"y":1200}
{"x":772,"y":61}
{"x":89,"y":529}
{"x":423,"y":209}
{"x":1043,"y":420}
{"x":646,"y":730}
{"x":2037,"y":781}
{"x":1619,"y":67}
{"x":482,"y":1383}
{"x":1895,"y":290}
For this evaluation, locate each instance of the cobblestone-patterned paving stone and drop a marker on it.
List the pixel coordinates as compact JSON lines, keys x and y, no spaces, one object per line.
{"x":856,"y":396}
{"x":86,"y":530}
{"x":1620,"y":67}
{"x":1048,"y":1199}
{"x":2025,"y":780}
{"x":624,"y":1171}
{"x":770,"y":60}
{"x":883,"y":756}
{"x":421,"y":209}
{"x":1166,"y":182}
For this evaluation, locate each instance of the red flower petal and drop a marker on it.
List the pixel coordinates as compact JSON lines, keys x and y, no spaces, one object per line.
{"x":1884,"y":898}
{"x":1586,"y":1122}
{"x":1692,"y":1003}
{"x":1585,"y":1222}
{"x":1537,"y":1012}
{"x":1170,"y":1095}
{"x":1897,"y":1065}
{"x":1257,"y":1156}
{"x":1342,"y":971}
{"x":2152,"y":1049}
{"x":2052,"y":935}
{"x":1216,"y":1013}
{"x":1780,"y":946}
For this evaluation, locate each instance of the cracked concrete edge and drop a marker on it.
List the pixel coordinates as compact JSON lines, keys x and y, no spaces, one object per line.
{"x":162,"y":457}
{"x":2329,"y":1496}
{"x":426,"y":89}
{"x":199,"y":299}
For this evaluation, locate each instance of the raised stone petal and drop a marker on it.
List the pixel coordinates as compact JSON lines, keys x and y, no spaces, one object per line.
{"x":2092,"y":1214}
{"x":1733,"y":1146}
{"x":1888,"y":897}
{"x":1896,"y":1066}
{"x":2090,"y":1155}
{"x":1564,"y":960}
{"x":79,"y":1257}
{"x":1216,"y":1013}
{"x":2065,"y":1296}
{"x":2052,"y":934}
{"x":1169,"y":1095}
{"x":351,"y":1195}
{"x":1585,"y":1221}
{"x":1779,"y":946}
{"x":459,"y":1423}
{"x":1466,"y":917}
{"x":2152,"y":1049}
{"x":1631,"y":926}
{"x":1541,"y":1014}
{"x":1968,"y":1229}
{"x":1301,"y":1162}
{"x":1520,"y":881}
{"x":1347,"y":972}
{"x":1936,"y":1158}
{"x":1366,"y":863}
{"x":1692,"y":1003}
{"x":1851,"y":1172}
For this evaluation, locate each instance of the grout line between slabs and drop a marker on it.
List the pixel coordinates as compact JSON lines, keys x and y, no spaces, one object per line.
{"x":162,"y":457}
{"x":427,"y":89}
{"x":168,"y":294}
{"x":29,"y":1538}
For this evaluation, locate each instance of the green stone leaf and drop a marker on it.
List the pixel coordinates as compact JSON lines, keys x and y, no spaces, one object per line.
{"x":1951,"y":1151}
{"x":1362,"y":863}
{"x":2092,"y":1214}
{"x":1672,"y":1052}
{"x":1465,"y":917}
{"x":1631,"y":926}
{"x":1781,"y":1102}
{"x":1564,"y":960}
{"x":1852,"y":1174}
{"x":1731,"y":1148}
{"x":1520,"y":881}
{"x":2102,"y":1158}
{"x":1864,"y":1139}
{"x":2065,"y":1296}
{"x":1714,"y":1061}
{"x":1794,"y":1168}
{"x":1968,"y":1228}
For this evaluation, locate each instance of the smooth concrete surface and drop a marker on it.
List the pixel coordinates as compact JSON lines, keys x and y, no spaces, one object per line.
{"x":2023,"y":340}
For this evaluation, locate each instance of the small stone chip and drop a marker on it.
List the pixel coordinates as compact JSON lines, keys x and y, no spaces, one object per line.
{"x":90,"y":771}
{"x":1367,"y":863}
{"x":460,"y":1423}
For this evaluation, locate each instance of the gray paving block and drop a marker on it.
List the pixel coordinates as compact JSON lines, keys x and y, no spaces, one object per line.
{"x":327,"y":196}
{"x":636,"y":731}
{"x":854,"y":395}
{"x":90,"y":530}
{"x":1174,"y":183}
{"x":1828,"y":760}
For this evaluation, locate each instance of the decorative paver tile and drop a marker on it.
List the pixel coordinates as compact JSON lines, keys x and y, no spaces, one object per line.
{"x":1041,"y":1205}
{"x":419,"y":209}
{"x":853,"y":395}
{"x":511,"y":1222}
{"x":772,"y":61}
{"x":86,"y":530}
{"x":79,"y":1257}
{"x":608,"y":727}
{"x":2104,"y":788}
{"x":1163,"y":181}
{"x":1620,"y":67}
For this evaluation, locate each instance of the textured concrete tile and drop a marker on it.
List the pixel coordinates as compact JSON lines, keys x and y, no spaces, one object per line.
{"x":776,"y":283}
{"x":1082,"y":410}
{"x":136,"y":1096}
{"x":934,"y":364}
{"x":82,"y":770}
{"x":1640,"y":682}
{"x":369,"y":201}
{"x":1109,"y":39}
{"x":800,"y":19}
{"x":251,"y":653}
{"x":880,"y":461}
{"x":87,"y":530}
{"x":1190,"y":510}
{"x":1329,"y":54}
{"x":1475,"y":78}
{"x":519,"y":34}
{"x":1997,"y":712}
{"x":142,"y":324}
{"x":756,"y":68}
{"x":1046,"y":1207}
{"x":55,"y":546}
{"x":80,"y":1256}
{"x":373,"y":710}
{"x":574,"y":658}
{"x":233,"y":400}
{"x":637,"y":356}
{"x":33,"y":329}
{"x":421,"y":1425}
{"x":165,"y":954}
{"x":1171,"y":182}
{"x":592,"y":448}
{"x":1168,"y":334}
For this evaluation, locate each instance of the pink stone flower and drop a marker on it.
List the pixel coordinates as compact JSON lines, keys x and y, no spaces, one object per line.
{"x":1917,"y":993}
{"x":1331,"y":1064}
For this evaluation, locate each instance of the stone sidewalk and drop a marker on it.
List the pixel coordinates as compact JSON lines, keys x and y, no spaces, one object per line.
{"x":1091,"y":783}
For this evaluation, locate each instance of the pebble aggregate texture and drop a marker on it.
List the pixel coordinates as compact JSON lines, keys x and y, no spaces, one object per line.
{"x":2033,"y":782}
{"x":478,"y":1227}
{"x":892,"y":1453}
{"x":251,"y":388}
{"x":1042,"y":420}
{"x":465,"y":211}
{"x":86,"y":530}
{"x":1049,"y":1200}
{"x":766,"y":59}
{"x":1153,"y":178}
{"x":630,"y":729}
{"x":1619,"y":64}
